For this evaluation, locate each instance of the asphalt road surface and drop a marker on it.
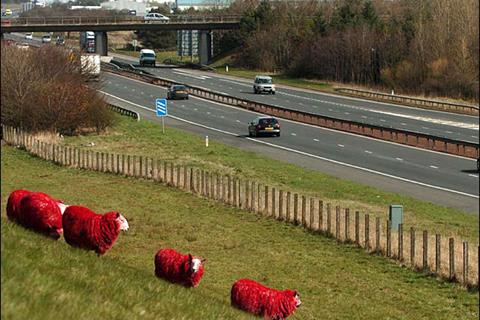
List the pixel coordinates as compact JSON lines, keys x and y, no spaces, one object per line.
{"x":439,"y":178}
{"x":437,"y":123}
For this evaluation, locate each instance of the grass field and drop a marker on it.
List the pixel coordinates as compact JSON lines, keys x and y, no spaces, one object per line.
{"x":145,"y":138}
{"x":44,"y":279}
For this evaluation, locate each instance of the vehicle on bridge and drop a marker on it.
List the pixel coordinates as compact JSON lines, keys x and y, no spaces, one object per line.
{"x":147,"y":57}
{"x":60,"y":41}
{"x":177,"y":91}
{"x":263,"y":84}
{"x":156,"y":17}
{"x":46,"y":38}
{"x":28,"y":36}
{"x":264,"y":125}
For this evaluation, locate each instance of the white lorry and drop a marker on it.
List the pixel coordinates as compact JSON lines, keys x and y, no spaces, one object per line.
{"x":90,"y":64}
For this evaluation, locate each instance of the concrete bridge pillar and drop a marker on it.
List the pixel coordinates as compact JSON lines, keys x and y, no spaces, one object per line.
{"x":205,"y":46}
{"x":101,"y":43}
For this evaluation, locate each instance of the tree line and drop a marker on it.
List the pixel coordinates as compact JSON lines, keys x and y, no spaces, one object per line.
{"x":411,"y":46}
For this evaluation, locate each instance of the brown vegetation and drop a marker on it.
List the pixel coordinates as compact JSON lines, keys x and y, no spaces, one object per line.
{"x":421,"y":47}
{"x":44,"y":90}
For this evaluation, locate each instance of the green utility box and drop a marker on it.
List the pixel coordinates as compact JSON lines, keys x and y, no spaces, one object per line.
{"x":395,"y":216}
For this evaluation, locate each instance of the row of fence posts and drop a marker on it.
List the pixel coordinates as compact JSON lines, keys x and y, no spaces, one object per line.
{"x":268,"y":201}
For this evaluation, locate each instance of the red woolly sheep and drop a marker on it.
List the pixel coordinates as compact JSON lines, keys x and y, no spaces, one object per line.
{"x":41,"y":213}
{"x":178,"y":268}
{"x":13,"y":204}
{"x":259,"y":300}
{"x":85,"y":229}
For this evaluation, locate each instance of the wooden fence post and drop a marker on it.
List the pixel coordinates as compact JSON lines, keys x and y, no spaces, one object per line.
{"x":329,"y":219}
{"x":320,"y":215}
{"x":400,"y":242}
{"x":377,"y":235}
{"x":389,"y":238}
{"x":347,"y":224}
{"x":438,"y":253}
{"x":425,"y":250}
{"x":412,"y":247}
{"x":289,"y":203}
{"x":281,"y":212}
{"x":311,"y":212}
{"x":274,"y":207}
{"x":304,"y":211}
{"x":465,"y":263}
{"x":357,"y":228}
{"x":451,"y":258}
{"x":337,"y":223}
{"x":252,"y":196}
{"x":295,"y":208}
{"x":267,"y":211}
{"x":367,"y":232}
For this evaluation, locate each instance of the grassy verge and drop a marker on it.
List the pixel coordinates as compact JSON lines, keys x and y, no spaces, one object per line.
{"x":42,"y":278}
{"x":146,"y":139}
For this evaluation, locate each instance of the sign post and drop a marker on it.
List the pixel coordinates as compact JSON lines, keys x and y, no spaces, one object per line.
{"x":161,"y":109}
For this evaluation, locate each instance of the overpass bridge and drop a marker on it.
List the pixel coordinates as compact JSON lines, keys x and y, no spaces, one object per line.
{"x":103,"y":24}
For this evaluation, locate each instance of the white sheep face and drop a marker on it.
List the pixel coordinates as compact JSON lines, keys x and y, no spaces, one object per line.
{"x":123,"y":223}
{"x":196,"y":264}
{"x":62,"y":207}
{"x":298,"y":302}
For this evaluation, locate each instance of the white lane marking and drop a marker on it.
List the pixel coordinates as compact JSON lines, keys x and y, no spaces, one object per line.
{"x":133,"y":89}
{"x":116,"y":84}
{"x":399,"y":159}
{"x":141,"y":92}
{"x":383,"y":120}
{"x":301,"y":152}
{"x":425,"y":128}
{"x":474,"y":137}
{"x":188,"y":74}
{"x":369,"y":152}
{"x":347,"y":113}
{"x":448,"y":131}
{"x":434,"y":167}
{"x":298,"y":123}
{"x":238,"y":121}
{"x":403,"y":123}
{"x":208,"y":112}
{"x":364,"y":117}
{"x":473,"y":175}
{"x":341,"y":145}
{"x":293,"y":134}
{"x":330,"y":110}
{"x":316,"y":140}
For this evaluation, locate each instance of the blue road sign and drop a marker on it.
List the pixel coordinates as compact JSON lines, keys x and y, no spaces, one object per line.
{"x":161,"y":107}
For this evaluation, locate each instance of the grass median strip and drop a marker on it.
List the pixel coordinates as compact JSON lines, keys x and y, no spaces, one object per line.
{"x":43,"y":278}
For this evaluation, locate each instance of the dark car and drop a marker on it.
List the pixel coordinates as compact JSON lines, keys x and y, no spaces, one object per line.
{"x":177,"y":91}
{"x":60,"y":41}
{"x":264,"y":125}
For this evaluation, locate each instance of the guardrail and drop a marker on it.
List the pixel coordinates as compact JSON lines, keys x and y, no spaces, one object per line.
{"x":125,"y":112}
{"x":77,"y":20}
{"x":414,"y":139}
{"x":417,"y":102}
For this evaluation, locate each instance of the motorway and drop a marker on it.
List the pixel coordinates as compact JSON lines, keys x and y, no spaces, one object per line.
{"x":435,"y":177}
{"x":439,"y":178}
{"x":441,"y":124}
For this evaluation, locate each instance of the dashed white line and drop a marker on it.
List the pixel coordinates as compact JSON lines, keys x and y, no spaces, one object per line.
{"x":141,"y":92}
{"x":341,"y":145}
{"x":238,"y":121}
{"x":473,"y":175}
{"x":383,"y":120}
{"x":399,"y":159}
{"x":433,"y":167}
{"x":364,"y":117}
{"x":403,"y":123}
{"x":316,"y":140}
{"x":293,"y":134}
{"x":347,"y":113}
{"x":369,"y":152}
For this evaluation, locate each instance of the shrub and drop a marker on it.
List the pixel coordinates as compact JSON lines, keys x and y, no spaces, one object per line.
{"x":44,"y":90}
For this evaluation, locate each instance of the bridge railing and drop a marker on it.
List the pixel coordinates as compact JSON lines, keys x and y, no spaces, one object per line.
{"x":78,"y":20}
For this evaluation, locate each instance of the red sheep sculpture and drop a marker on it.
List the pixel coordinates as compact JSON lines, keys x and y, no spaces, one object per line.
{"x":178,"y":268}
{"x":259,"y":300}
{"x":85,"y":229}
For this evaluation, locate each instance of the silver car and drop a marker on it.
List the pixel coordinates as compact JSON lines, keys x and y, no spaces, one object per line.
{"x":156,"y":17}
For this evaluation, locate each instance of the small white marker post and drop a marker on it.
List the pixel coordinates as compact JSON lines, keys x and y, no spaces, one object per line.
{"x":226,"y":68}
{"x":206,"y":141}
